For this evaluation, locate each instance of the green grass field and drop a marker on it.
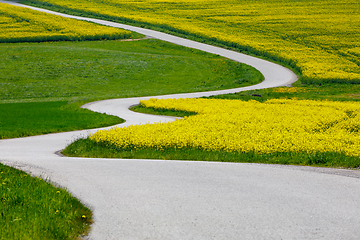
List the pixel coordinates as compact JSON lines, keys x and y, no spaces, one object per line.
{"x":60,"y":73}
{"x":32,"y":208}
{"x":35,"y":118}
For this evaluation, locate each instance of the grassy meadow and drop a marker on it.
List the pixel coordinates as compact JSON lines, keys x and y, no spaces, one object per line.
{"x":112,"y":69}
{"x":318,"y":39}
{"x":35,"y":118}
{"x":32,"y":208}
{"x":68,"y":74}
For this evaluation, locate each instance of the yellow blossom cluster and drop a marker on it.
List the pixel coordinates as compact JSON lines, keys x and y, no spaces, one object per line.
{"x":277,"y":125}
{"x":290,"y":89}
{"x":23,"y":25}
{"x":319,"y":37}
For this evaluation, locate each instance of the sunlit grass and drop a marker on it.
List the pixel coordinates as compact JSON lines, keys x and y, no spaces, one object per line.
{"x":59,"y":73}
{"x":32,"y":208}
{"x":35,"y":118}
{"x":113,"y":69}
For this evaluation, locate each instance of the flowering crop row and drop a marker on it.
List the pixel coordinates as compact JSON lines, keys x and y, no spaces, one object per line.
{"x":290,"y":89}
{"x":278,"y":125}
{"x":319,"y":37}
{"x":25,"y":25}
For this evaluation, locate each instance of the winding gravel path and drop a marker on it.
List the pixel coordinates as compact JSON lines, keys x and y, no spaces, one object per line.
{"x":155,"y":199}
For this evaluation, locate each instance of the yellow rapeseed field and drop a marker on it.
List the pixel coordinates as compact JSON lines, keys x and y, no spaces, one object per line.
{"x":290,"y":89}
{"x":24,"y":25}
{"x":319,"y":37}
{"x":277,"y":125}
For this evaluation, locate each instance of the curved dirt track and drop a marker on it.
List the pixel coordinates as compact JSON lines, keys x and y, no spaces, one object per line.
{"x":154,"y":199}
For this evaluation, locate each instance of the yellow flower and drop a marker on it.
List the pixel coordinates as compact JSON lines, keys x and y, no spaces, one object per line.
{"x":277,"y":125}
{"x":22,"y":24}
